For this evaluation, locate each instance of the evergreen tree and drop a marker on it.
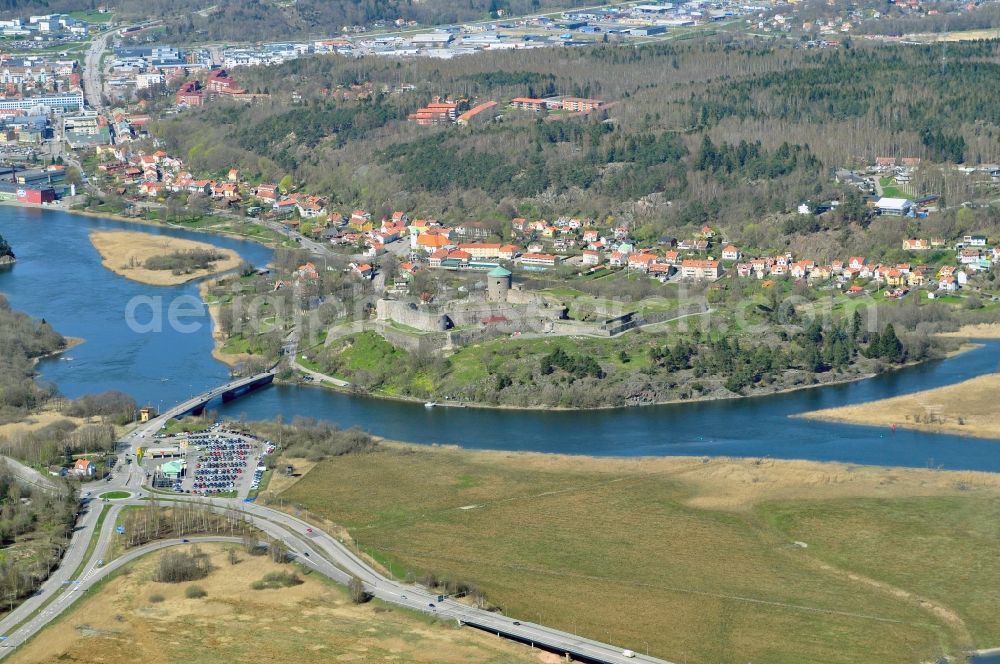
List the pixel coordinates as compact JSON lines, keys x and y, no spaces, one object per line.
{"x":891,"y":348}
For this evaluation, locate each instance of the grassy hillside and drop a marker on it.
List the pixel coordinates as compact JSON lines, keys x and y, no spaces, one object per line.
{"x":897,"y":565}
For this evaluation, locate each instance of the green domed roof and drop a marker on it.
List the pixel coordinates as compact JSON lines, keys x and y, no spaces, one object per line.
{"x":498,"y":272}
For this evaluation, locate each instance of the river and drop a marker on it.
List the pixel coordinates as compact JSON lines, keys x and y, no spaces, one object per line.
{"x":59,"y":277}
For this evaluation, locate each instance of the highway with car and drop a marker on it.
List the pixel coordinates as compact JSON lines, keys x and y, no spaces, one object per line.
{"x":87,"y":560}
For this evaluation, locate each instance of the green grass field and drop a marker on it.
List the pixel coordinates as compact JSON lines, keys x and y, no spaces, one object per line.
{"x":637,"y":553}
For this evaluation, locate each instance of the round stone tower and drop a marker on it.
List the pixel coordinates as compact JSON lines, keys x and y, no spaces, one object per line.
{"x":498,"y":283}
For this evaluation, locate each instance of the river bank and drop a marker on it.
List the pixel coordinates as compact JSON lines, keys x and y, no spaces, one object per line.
{"x":967,"y":408}
{"x":218,"y":338}
{"x":703,"y":399}
{"x":127,"y":254}
{"x":977,"y":331}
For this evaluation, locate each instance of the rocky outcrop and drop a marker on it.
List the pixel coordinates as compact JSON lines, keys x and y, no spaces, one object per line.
{"x":7,"y":260}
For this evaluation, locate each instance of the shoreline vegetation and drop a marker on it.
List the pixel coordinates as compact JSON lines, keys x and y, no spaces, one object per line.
{"x":967,"y":408}
{"x":159,"y":260}
{"x":219,"y":339}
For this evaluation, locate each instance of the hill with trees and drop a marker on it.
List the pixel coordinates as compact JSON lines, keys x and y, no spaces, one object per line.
{"x":721,"y":131}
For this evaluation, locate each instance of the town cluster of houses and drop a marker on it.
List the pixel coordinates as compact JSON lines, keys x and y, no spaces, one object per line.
{"x":537,"y":244}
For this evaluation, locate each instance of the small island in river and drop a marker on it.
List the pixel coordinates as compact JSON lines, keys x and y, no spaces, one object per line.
{"x":161,"y":260}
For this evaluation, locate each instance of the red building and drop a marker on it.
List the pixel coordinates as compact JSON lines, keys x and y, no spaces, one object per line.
{"x":31,"y":195}
{"x":190,"y":94}
{"x":220,"y":82}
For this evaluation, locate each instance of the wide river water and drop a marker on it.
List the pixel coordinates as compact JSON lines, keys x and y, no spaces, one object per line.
{"x":59,"y":277}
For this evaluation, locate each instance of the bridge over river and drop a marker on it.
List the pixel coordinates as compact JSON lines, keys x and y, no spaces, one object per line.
{"x":228,"y":391}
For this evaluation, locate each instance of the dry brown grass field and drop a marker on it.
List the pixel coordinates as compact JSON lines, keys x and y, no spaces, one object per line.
{"x":312,"y":623}
{"x":696,"y":560}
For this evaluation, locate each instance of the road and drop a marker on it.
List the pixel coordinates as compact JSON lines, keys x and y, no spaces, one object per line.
{"x":93,"y":86}
{"x":309,"y":545}
{"x":316,"y":376}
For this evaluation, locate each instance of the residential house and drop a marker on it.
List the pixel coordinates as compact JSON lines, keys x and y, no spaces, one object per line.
{"x":591,"y":257}
{"x":948,"y":283}
{"x":700,"y":269}
{"x":968,"y":256}
{"x":84,"y":468}
{"x":641,"y":261}
{"x":267,"y":193}
{"x":730,"y":253}
{"x":363,"y":270}
{"x":885,"y":163}
{"x":661,"y":270}
{"x":361,"y":221}
{"x":916,"y":245}
{"x":307,"y":271}
{"x":856,"y":262}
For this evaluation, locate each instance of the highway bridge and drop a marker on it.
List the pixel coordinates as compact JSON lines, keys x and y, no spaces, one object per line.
{"x":229,"y":391}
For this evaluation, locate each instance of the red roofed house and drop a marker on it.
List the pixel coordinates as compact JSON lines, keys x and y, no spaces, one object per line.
{"x":507,"y":251}
{"x":84,"y":467}
{"x":437,"y":257}
{"x":267,"y":193}
{"x":700,"y":269}
{"x":916,"y":245}
{"x":432,"y":241}
{"x":189,"y":94}
{"x":578,"y":105}
{"x":528,"y":104}
{"x":641,"y":261}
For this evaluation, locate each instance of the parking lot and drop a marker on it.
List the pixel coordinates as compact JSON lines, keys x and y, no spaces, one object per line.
{"x":216,"y":461}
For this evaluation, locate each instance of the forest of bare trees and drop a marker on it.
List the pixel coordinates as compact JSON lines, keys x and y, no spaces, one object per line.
{"x":22,"y":341}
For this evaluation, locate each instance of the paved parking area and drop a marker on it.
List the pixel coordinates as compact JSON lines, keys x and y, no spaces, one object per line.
{"x":218,"y":461}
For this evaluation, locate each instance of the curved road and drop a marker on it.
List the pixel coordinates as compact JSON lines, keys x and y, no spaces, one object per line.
{"x":309,"y":545}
